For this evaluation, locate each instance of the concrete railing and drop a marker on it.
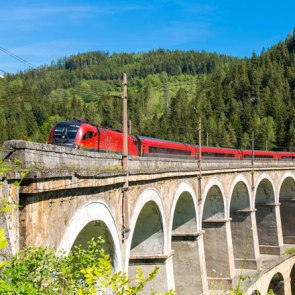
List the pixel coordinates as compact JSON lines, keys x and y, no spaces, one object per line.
{"x":45,"y":157}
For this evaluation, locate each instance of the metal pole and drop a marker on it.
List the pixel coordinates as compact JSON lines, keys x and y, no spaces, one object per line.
{"x":200,"y":160}
{"x":200,"y":140}
{"x":125,"y":200}
{"x":125,"y":125}
{"x":252,"y":161}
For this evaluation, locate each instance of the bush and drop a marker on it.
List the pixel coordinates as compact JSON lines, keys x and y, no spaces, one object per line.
{"x":82,"y":272}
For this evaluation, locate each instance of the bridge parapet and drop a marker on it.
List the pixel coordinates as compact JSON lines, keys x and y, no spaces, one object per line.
{"x":45,"y":157}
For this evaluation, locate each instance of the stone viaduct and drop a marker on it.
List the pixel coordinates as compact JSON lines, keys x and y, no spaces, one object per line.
{"x":201,"y":224}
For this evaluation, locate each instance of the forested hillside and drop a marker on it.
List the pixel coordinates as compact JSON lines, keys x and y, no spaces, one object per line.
{"x":167,"y":92}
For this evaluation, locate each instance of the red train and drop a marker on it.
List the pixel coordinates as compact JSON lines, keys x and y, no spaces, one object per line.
{"x":85,"y":136}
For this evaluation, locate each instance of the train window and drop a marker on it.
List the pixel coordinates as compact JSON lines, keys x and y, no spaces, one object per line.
{"x":259,"y":156}
{"x":67,"y":132}
{"x":263,"y":157}
{"x":287,"y":157}
{"x":88,"y":135}
{"x":159,"y":150}
{"x":217,"y":155}
{"x":58,"y":131}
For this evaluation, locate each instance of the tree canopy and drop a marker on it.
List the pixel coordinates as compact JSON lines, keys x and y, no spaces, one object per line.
{"x":167,"y":92}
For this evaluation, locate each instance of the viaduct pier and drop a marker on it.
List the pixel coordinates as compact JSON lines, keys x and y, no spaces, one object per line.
{"x":202,"y":226}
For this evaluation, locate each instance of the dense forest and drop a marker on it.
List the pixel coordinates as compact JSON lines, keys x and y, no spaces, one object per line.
{"x":167,"y":92}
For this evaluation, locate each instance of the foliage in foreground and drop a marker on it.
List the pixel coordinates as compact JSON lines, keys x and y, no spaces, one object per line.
{"x":83,"y":272}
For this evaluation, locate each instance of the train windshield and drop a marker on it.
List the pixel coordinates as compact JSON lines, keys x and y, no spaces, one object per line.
{"x":65,"y":134}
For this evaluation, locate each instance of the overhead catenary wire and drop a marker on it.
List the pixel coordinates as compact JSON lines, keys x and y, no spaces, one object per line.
{"x":13,"y":55}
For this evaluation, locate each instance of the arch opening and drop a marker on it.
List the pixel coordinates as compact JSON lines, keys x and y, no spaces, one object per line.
{"x":147,"y":247}
{"x":266,"y":216}
{"x":287,"y":209}
{"x":277,"y":284}
{"x":148,"y":235}
{"x":184,"y":242}
{"x":184,"y":220}
{"x":241,"y":228}
{"x":95,"y":229}
{"x":92,"y":220}
{"x":216,"y":239}
{"x":214,"y":206}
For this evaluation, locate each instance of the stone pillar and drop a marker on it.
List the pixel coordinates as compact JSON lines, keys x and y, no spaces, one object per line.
{"x":218,"y":253}
{"x":255,"y":237}
{"x":189,"y":265}
{"x":245,"y":240}
{"x":170,"y":273}
{"x":163,"y":281}
{"x":279,"y":226}
{"x":203,"y":269}
{"x":287,"y":210}
{"x":287,"y":285}
{"x":269,"y":228}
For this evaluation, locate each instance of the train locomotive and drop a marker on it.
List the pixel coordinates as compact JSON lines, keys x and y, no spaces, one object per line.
{"x":86,"y":136}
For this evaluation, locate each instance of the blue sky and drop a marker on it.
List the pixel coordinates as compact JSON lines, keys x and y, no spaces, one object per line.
{"x":42,"y":31}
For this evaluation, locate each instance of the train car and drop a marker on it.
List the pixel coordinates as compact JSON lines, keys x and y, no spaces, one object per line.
{"x":85,"y":136}
{"x":66,"y":134}
{"x":88,"y":137}
{"x":215,"y":153}
{"x":259,"y":155}
{"x":154,"y":147}
{"x":286,"y":156}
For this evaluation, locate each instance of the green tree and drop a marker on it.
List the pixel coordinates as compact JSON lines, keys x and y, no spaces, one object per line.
{"x":82,"y":271}
{"x":267,"y":133}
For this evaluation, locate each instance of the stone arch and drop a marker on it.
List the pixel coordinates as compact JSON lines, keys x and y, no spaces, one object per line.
{"x":243,"y":235}
{"x":255,"y":292}
{"x":147,"y":243}
{"x":286,"y":198}
{"x":184,"y":230}
{"x":266,"y":216}
{"x":287,"y":187}
{"x":277,"y":284}
{"x":213,"y":204}
{"x":151,"y":196}
{"x":240,"y":190}
{"x":217,"y":237}
{"x":264,"y":191}
{"x":185,"y":201}
{"x":93,"y":220}
{"x":147,"y":234}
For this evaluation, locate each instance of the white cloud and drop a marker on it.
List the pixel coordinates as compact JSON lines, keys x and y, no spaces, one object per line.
{"x":80,"y":11}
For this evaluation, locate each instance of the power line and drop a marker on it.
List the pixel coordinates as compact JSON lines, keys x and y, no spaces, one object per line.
{"x":17,"y":57}
{"x":3,"y":71}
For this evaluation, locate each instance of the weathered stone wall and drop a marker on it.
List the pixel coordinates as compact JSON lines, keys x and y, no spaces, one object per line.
{"x":43,"y":156}
{"x":62,"y":182}
{"x":9,"y":195}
